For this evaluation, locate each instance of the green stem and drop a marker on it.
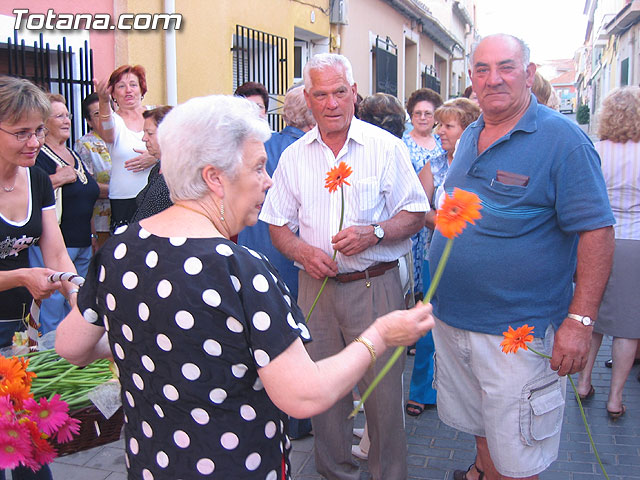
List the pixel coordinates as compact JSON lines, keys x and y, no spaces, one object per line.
{"x":584,"y":417}
{"x":400,"y":350}
{"x":335,"y":252}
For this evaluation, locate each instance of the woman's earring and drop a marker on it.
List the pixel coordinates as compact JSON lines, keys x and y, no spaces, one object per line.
{"x":221,"y":211}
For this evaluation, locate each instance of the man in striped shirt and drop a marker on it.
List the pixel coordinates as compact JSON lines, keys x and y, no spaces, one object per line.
{"x":383,"y":206}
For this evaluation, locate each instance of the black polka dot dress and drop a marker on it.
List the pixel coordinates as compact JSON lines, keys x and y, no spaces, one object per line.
{"x":190,"y":321}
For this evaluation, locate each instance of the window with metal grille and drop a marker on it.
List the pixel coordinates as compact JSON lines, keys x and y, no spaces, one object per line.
{"x":385,"y":56}
{"x":430,"y":79}
{"x":262,"y":57}
{"x":62,"y":71}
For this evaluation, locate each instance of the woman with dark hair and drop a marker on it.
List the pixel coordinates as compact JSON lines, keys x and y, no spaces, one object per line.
{"x":384,"y":111}
{"x":123,"y":131}
{"x":423,"y":146}
{"x":619,"y":149}
{"x":79,"y":194}
{"x":94,"y":154}
{"x":155,"y":196}
{"x":256,"y":93}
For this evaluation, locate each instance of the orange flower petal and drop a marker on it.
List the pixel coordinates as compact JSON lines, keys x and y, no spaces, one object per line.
{"x":336,"y":177}
{"x":515,"y":339}
{"x":457,"y":210}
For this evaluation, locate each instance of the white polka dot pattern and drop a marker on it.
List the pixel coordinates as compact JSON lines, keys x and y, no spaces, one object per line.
{"x":184,"y":320}
{"x":192,"y":266}
{"x":211,"y":297}
{"x":205,"y":466}
{"x":181,"y":439}
{"x":260,"y":283}
{"x":164,"y":288}
{"x":253,"y":461}
{"x":151,"y":259}
{"x":261,"y":321}
{"x":162,"y":459}
{"x":196,"y":316}
{"x":229,"y":440}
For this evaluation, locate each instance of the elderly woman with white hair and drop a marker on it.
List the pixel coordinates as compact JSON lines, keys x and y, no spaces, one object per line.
{"x":204,"y":333}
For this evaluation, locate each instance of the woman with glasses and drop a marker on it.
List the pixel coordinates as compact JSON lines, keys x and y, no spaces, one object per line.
{"x":27,"y":216}
{"x":424,"y":147}
{"x":79,"y":194}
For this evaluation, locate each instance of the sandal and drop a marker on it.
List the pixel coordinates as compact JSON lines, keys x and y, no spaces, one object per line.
{"x":591,"y":393}
{"x":413,"y":409}
{"x":616,"y":415}
{"x":462,"y":475}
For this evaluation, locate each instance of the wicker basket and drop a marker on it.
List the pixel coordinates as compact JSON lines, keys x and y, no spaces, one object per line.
{"x":95,"y":430}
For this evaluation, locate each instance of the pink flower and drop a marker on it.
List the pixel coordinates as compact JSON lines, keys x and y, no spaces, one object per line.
{"x":42,"y":451}
{"x":12,"y":452}
{"x":66,"y":432}
{"x":49,"y":415}
{"x":14,"y":431}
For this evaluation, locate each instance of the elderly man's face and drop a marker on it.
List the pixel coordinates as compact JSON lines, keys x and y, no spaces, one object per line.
{"x":499,"y":77}
{"x":331,"y":100}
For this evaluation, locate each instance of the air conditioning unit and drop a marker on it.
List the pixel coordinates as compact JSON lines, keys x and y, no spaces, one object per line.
{"x":338,"y":12}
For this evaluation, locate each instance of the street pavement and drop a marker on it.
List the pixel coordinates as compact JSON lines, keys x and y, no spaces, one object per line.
{"x":436,"y":450}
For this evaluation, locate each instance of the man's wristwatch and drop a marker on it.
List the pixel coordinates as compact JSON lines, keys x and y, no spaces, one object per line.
{"x":586,"y":321}
{"x":378,"y":231}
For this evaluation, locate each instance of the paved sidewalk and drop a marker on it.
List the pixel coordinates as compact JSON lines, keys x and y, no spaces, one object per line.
{"x":435,"y":450}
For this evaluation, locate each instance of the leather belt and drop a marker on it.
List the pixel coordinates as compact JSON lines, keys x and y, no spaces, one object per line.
{"x":373,"y":271}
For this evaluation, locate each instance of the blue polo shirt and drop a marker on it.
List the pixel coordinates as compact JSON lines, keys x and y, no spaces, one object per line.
{"x":516,"y":265}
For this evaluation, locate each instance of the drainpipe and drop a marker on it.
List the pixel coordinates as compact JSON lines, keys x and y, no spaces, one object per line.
{"x":171,"y":72}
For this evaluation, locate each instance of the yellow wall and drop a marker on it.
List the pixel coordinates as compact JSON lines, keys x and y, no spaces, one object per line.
{"x":204,"y":57}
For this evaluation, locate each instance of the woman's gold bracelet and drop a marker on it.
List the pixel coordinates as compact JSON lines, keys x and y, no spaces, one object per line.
{"x":372,"y":350}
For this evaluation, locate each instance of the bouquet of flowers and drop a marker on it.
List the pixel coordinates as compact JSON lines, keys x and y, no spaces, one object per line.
{"x":27,"y":425}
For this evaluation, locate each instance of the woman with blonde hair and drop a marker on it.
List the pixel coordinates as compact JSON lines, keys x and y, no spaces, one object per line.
{"x":619,"y":149}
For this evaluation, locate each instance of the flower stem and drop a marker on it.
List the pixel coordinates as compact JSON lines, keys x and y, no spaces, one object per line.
{"x":400,"y":350}
{"x":335,"y":252}
{"x":584,"y":418}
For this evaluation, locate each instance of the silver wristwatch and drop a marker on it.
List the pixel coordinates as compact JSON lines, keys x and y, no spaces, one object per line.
{"x":378,"y":231}
{"x":586,"y":321}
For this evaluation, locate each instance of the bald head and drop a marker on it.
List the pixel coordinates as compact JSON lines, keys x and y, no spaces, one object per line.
{"x":523,"y":47}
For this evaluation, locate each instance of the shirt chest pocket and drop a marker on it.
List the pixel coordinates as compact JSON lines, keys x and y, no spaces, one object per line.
{"x":507,"y":190}
{"x":368,"y":198}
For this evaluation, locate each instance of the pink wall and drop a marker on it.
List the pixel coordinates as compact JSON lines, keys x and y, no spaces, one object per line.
{"x":101,"y":41}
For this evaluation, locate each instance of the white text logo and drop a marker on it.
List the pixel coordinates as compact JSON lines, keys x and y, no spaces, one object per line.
{"x":98,"y":21}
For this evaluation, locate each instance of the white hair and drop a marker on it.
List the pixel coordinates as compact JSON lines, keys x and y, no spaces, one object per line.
{"x":524,"y":48}
{"x":206,"y":131}
{"x":327,"y":60}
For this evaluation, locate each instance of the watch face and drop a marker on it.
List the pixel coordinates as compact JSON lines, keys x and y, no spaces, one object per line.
{"x":378,"y":231}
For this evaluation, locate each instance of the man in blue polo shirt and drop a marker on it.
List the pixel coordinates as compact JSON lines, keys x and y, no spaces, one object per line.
{"x":545,"y":217}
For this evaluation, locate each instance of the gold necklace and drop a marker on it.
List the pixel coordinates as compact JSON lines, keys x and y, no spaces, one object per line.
{"x":204,"y":215}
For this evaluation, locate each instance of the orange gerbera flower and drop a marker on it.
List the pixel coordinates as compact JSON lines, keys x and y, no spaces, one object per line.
{"x":461,"y":208}
{"x":11,"y":369}
{"x":515,"y":339}
{"x":336,"y":177}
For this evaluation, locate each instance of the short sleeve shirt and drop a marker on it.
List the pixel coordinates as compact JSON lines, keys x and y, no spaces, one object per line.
{"x":540,"y":186}
{"x":190,"y":321}
{"x":17,"y":237}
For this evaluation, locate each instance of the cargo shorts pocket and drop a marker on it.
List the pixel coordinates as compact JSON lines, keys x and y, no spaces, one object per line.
{"x":541,"y":408}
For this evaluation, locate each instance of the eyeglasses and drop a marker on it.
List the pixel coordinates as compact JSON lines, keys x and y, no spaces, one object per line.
{"x":40,"y":133}
{"x":422,"y":114}
{"x":62,"y":116}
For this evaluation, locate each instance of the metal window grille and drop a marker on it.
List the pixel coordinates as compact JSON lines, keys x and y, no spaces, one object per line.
{"x":60,"y":71}
{"x":262,"y":57}
{"x":430,"y":78}
{"x":385,"y":54}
